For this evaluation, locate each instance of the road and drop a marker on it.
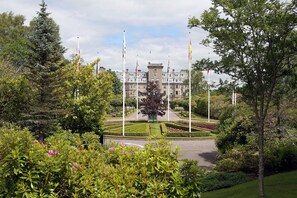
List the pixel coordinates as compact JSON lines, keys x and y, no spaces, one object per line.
{"x":204,"y":151}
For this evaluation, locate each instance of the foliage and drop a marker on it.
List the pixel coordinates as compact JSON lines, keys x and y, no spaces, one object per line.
{"x":214,"y":180}
{"x":255,"y":43}
{"x":191,"y":176}
{"x":15,"y":93}
{"x":116,"y":83}
{"x":46,"y":57}
{"x":85,"y":98}
{"x":153,"y":104}
{"x":279,"y":185}
{"x":217,"y":104}
{"x":179,"y":103}
{"x":63,"y":168}
{"x":234,"y":132}
{"x":281,"y":156}
{"x":198,"y":84}
{"x":14,"y":43}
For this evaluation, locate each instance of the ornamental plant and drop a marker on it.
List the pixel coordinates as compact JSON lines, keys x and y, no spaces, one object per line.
{"x":67,"y":165}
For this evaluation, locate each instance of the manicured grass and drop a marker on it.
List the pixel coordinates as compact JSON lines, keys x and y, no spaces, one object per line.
{"x":281,"y":185}
{"x":139,"y":127}
{"x":134,"y":128}
{"x":155,"y":130}
{"x":195,"y":117}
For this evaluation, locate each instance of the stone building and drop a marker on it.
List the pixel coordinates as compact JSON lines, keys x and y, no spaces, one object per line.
{"x":155,"y":73}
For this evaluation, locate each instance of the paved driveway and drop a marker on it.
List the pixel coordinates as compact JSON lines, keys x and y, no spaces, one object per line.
{"x":204,"y":151}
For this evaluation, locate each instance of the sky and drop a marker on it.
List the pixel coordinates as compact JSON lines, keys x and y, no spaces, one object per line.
{"x":156,"y":30}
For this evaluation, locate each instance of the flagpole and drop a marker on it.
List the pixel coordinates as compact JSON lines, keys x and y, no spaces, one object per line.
{"x":76,"y":94}
{"x":124,"y":79}
{"x":168,"y":90}
{"x":97,"y":65}
{"x":208,"y":96}
{"x":137,"y":88}
{"x":78,"y":54}
{"x":190,"y":86}
{"x":235,"y":95}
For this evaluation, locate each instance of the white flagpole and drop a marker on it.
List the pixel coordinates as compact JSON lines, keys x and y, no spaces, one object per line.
{"x":137,"y":88}
{"x":76,"y":94}
{"x":78,"y":54}
{"x":235,"y":100}
{"x":232,"y":96}
{"x":190,"y":86}
{"x":124,"y":78}
{"x":168,"y":90}
{"x":208,"y":94}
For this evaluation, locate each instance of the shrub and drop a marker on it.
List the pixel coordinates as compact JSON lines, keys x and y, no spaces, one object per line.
{"x":163,"y":129}
{"x":62,"y":168}
{"x":216,"y":180}
{"x":281,"y":156}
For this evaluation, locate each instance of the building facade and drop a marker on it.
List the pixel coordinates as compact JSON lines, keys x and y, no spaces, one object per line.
{"x":177,"y":88}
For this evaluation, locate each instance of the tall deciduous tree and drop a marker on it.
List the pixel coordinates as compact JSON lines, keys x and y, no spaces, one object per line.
{"x":46,"y":58}
{"x":198,"y":84}
{"x":15,"y":96}
{"x":256,"y":42}
{"x":85,"y":97}
{"x":14,"y":44}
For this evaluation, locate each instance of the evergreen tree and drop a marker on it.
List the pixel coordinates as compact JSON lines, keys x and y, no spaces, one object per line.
{"x":46,"y":59}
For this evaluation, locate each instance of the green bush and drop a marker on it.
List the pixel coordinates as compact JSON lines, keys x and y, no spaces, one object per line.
{"x":242,"y":158}
{"x":188,"y":134}
{"x":63,"y":167}
{"x":216,"y":180}
{"x":281,"y":156}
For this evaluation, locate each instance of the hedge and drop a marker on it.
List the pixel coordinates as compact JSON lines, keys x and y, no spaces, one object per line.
{"x":163,"y":129}
{"x":127,"y":133}
{"x":188,"y":134}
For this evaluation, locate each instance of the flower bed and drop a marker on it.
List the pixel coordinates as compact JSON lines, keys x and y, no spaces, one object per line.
{"x":205,"y":125}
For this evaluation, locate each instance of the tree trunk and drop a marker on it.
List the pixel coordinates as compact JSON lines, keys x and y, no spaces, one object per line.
{"x":261,"y":158}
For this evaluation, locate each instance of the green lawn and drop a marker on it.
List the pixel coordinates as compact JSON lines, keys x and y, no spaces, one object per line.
{"x":195,"y":117}
{"x":283,"y":185}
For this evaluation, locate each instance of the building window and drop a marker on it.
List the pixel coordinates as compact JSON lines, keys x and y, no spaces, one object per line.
{"x":176,"y":86}
{"x":176,"y":93}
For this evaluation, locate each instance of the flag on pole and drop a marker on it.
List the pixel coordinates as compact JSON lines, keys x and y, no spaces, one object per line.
{"x":190,"y":83}
{"x":124,"y":78}
{"x":190,"y":52}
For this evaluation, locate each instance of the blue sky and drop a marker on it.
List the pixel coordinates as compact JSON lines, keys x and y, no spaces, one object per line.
{"x":159,"y":26}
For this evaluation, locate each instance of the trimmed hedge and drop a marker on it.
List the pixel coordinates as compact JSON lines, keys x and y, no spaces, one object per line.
{"x":126,"y":133}
{"x":163,"y":129}
{"x":218,"y":180}
{"x":179,"y":127}
{"x":204,"y":125}
{"x":188,"y":134}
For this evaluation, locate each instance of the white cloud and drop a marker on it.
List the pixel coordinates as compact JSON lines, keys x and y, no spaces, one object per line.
{"x":159,"y":26}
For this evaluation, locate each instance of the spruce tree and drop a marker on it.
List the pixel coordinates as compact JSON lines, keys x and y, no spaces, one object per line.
{"x":46,"y":59}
